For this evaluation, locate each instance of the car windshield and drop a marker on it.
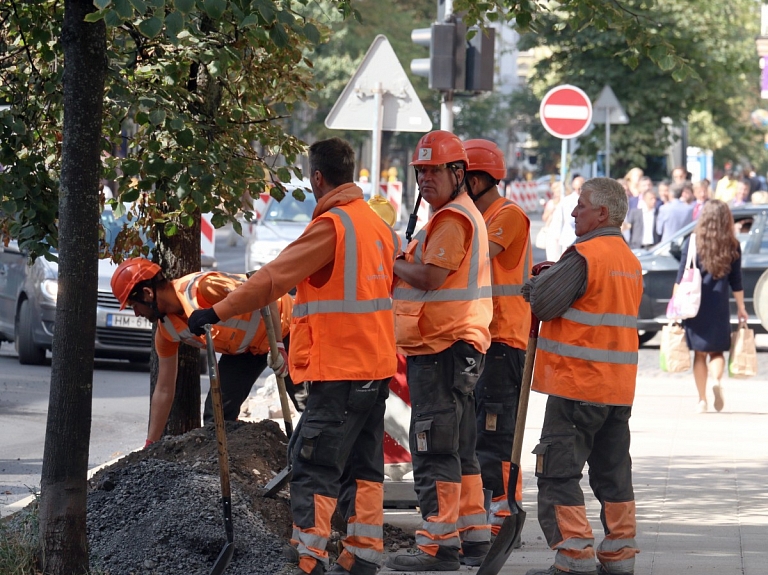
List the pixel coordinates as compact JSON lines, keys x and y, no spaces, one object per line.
{"x":113,"y":226}
{"x":289,"y":209}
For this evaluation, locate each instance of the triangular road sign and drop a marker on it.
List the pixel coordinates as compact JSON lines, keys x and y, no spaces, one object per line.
{"x":355,"y":109}
{"x":607,"y":101}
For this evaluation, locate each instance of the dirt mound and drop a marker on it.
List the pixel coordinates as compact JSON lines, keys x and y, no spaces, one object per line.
{"x":158,"y":510}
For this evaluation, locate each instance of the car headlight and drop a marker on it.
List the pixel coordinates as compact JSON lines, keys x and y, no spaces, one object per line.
{"x":50,"y":289}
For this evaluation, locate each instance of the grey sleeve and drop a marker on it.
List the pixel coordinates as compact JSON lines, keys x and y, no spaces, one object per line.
{"x":553,"y":292}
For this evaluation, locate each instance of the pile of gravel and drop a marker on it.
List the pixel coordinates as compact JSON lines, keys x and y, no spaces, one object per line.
{"x":163,"y":518}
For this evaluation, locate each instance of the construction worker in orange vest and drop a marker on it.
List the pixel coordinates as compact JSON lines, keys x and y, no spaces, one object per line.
{"x":343,"y":345}
{"x":443,"y":309}
{"x":498,"y":388}
{"x":587,"y":363}
{"x":141,"y":285}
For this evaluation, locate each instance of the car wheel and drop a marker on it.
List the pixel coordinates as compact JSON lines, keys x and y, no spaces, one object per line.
{"x":29,"y":352}
{"x":646,"y":336}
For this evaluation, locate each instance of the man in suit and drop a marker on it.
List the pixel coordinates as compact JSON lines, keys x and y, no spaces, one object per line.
{"x":642,"y":222}
{"x":677,"y":213}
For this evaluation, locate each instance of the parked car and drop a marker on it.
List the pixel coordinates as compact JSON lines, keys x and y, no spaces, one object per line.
{"x":661,"y":262}
{"x":28,"y":306}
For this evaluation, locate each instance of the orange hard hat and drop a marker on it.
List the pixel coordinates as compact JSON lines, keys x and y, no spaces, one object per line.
{"x":485,"y":156}
{"x":129,"y":273}
{"x":439,"y":147}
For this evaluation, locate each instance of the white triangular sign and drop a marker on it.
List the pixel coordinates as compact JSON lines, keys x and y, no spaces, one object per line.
{"x":355,"y":110}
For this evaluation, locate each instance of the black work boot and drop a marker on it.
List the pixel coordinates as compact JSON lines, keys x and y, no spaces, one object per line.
{"x":291,"y":555}
{"x":473,"y":552}
{"x":359,"y":567}
{"x":555,"y":571}
{"x":603,"y":571}
{"x":447,"y":559}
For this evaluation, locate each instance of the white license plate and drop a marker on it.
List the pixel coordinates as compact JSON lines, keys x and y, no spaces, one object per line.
{"x":129,"y":321}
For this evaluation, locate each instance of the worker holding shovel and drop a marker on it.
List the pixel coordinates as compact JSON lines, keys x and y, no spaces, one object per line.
{"x":587,"y":363}
{"x":443,"y":309}
{"x":140,"y":284}
{"x":343,"y":345}
{"x":498,"y":388}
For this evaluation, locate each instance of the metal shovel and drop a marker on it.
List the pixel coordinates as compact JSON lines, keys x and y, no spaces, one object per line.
{"x":281,"y":479}
{"x":225,"y":555}
{"x":512,"y":526}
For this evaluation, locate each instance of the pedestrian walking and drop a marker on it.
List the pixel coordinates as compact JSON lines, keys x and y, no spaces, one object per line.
{"x":562,"y":222}
{"x":141,"y":285}
{"x":677,"y":213}
{"x":443,"y":309}
{"x":343,"y":346}
{"x":498,"y":388}
{"x":718,"y":257}
{"x":587,"y":363}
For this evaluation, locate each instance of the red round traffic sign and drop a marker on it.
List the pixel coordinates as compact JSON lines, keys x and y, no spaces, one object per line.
{"x":566,"y":111}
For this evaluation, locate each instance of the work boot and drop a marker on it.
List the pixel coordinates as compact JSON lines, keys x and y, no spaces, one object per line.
{"x":472,"y":553}
{"x":603,"y":571}
{"x":555,"y":571}
{"x":359,"y":567}
{"x":447,"y":559}
{"x":291,"y":555}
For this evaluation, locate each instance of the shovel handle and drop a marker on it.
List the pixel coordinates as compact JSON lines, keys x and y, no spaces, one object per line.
{"x":266,"y":317}
{"x":218,"y":413}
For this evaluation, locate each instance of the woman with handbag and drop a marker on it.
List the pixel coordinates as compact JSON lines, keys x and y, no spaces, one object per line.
{"x":718,"y":256}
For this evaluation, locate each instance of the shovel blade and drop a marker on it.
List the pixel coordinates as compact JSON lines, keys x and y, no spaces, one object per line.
{"x":225,"y":556}
{"x":503,"y":545}
{"x":278,"y":482}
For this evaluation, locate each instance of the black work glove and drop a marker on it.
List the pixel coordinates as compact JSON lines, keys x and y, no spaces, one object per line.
{"x":201,"y":317}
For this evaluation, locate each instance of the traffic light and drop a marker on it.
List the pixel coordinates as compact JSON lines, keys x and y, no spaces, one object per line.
{"x":455,"y":63}
{"x":446,"y":65}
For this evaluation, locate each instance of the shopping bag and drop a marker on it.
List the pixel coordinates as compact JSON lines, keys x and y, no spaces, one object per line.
{"x":742,"y":360}
{"x":686,"y":300}
{"x":541,"y":238}
{"x":675,"y":356}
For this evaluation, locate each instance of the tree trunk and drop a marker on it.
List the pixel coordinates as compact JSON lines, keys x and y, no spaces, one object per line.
{"x":179,"y":255}
{"x":63,"y":538}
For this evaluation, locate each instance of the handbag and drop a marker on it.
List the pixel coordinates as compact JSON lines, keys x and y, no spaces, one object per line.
{"x":675,"y":355}
{"x":686,"y":300}
{"x":541,"y":238}
{"x":742,"y":359}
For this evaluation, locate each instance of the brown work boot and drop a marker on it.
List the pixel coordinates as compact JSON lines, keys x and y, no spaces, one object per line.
{"x":447,"y":559}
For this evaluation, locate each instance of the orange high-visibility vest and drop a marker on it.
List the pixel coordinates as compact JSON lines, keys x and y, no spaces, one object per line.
{"x":344,"y":329}
{"x":511,"y":321}
{"x":428,"y":322}
{"x":590,"y":352}
{"x":238,"y":334}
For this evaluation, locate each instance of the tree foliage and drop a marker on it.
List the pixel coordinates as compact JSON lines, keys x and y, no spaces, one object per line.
{"x":712,"y":92}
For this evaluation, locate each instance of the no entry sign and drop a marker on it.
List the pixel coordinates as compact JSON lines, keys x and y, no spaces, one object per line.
{"x":565,"y":112}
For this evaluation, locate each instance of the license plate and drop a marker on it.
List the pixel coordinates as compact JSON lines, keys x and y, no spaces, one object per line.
{"x":128,"y":321}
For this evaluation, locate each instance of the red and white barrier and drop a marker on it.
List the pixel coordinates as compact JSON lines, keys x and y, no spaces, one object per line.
{"x":524,"y":194}
{"x":397,"y":419}
{"x":394,"y":193}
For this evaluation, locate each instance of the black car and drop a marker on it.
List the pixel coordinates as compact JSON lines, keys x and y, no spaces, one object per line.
{"x":661,"y":262}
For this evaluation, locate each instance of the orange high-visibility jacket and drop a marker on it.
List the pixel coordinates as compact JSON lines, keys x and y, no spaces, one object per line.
{"x":238,"y":334}
{"x":590,"y":353}
{"x":428,"y":322}
{"x":344,"y":329}
{"x":511,"y":321}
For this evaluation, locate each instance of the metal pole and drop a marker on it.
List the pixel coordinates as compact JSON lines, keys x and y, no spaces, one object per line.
{"x":607,"y":142}
{"x":563,"y":160}
{"x":446,"y":112}
{"x":378,"y":120}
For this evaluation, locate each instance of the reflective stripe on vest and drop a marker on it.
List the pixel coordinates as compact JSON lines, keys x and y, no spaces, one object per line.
{"x":473,"y":290}
{"x":184,"y":335}
{"x":350,"y":303}
{"x":596,"y":319}
{"x":512,"y":289}
{"x":587,"y":353}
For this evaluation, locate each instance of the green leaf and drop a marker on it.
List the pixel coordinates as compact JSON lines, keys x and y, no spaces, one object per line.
{"x":157,"y":4}
{"x":184,"y":6}
{"x":124,"y":9}
{"x":312,"y":33}
{"x":151,"y":28}
{"x":214,"y":8}
{"x":174,"y":24}
{"x":250,"y":21}
{"x":139,"y":5}
{"x":666,"y":63}
{"x":101,"y":4}
{"x":278,"y":35}
{"x":157,"y":117}
{"x":112,"y":19}
{"x":92,"y":17}
{"x":185,"y":138}
{"x":130,"y":195}
{"x":170,"y":229}
{"x":266,"y":9}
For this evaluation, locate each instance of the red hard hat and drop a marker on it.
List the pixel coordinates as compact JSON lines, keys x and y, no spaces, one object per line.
{"x":485,"y":156}
{"x":439,"y":147}
{"x":129,"y":273}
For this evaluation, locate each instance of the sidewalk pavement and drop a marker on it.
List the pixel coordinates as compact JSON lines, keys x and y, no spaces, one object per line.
{"x":700,"y":481}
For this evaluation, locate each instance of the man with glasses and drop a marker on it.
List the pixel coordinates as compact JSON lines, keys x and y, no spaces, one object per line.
{"x":443,"y":309}
{"x":140,"y":284}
